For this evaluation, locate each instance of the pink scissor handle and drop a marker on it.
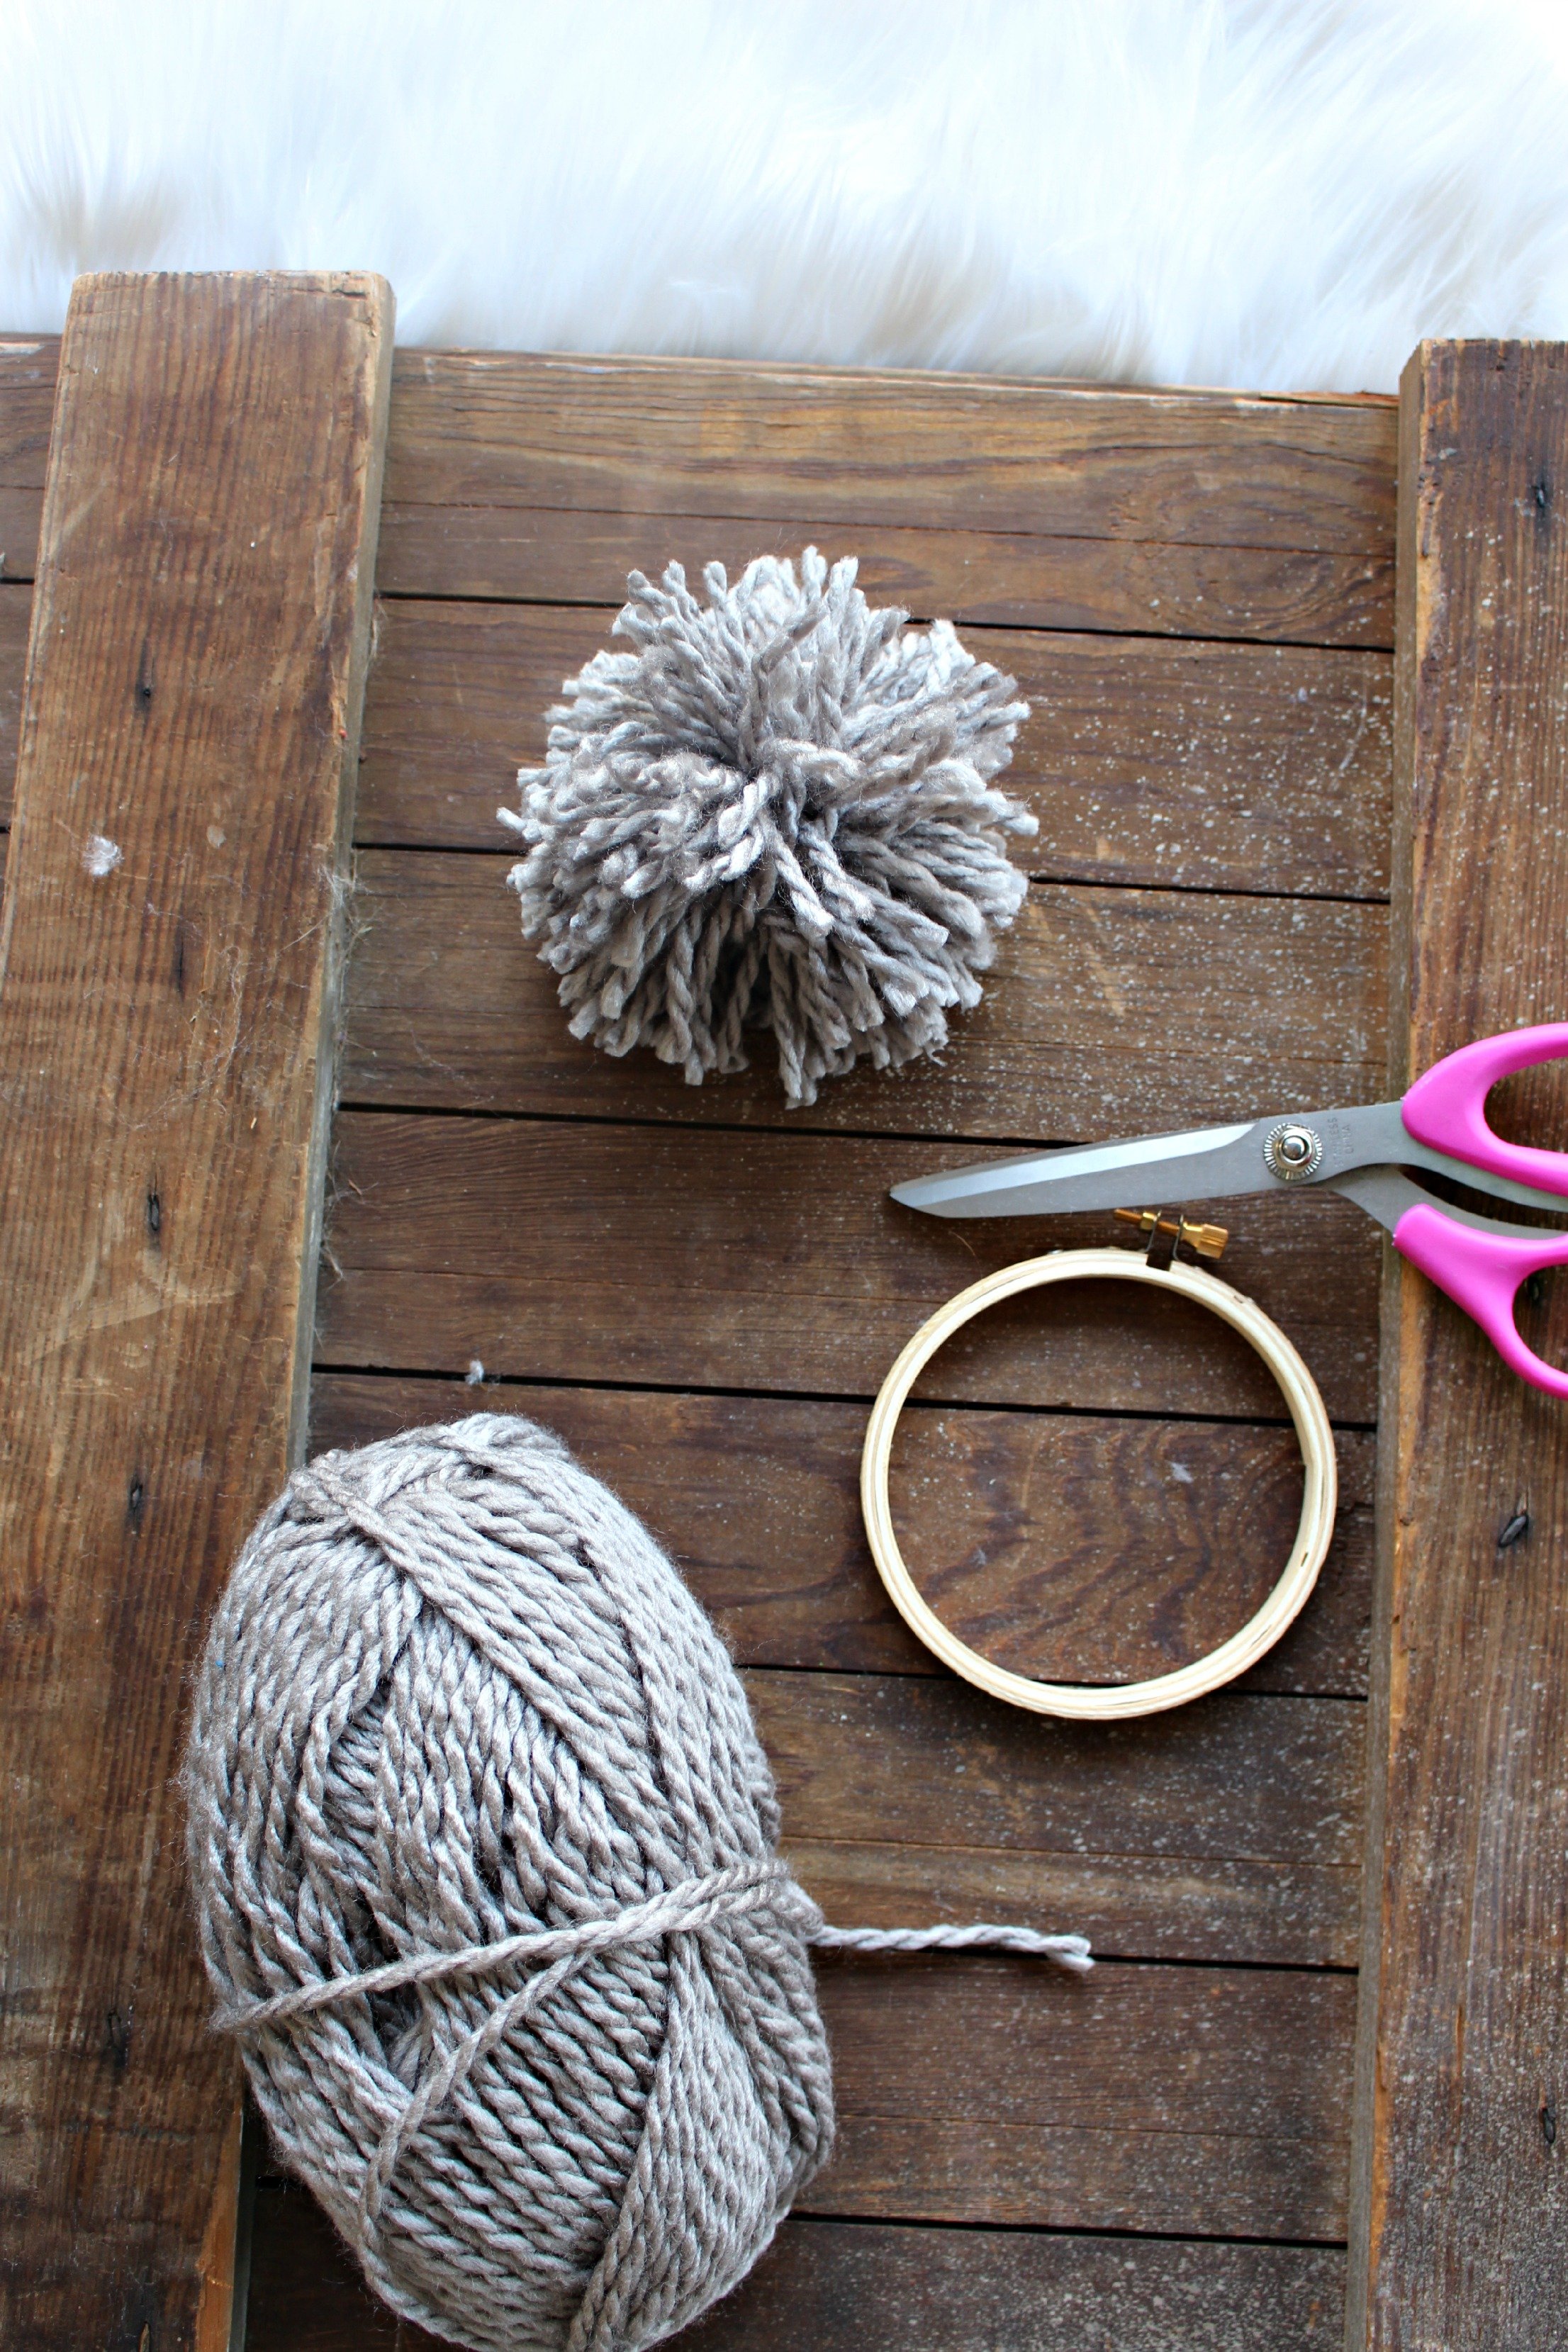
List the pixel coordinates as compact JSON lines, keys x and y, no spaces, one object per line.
{"x":1481,"y":1272}
{"x":1447,"y":1108}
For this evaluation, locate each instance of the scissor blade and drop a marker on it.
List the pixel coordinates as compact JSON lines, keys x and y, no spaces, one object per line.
{"x":1153,"y":1171}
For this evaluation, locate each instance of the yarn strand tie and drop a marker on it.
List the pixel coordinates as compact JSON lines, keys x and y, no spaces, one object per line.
{"x":682,"y":1909}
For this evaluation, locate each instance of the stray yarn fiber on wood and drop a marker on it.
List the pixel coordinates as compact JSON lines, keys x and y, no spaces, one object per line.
{"x":775,"y":813}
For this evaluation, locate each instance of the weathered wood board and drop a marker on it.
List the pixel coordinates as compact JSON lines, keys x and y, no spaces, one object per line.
{"x":838,"y":2285}
{"x":189,"y":724}
{"x":1250,"y":767}
{"x":1196,"y":592}
{"x":1205,"y":933}
{"x":1200,"y":515}
{"x":1107,"y":1005}
{"x":758,"y":1498}
{"x":28,"y":365}
{"x":1461,"y":2221}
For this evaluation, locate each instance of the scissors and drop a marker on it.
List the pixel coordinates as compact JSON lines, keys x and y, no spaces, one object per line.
{"x":1440,"y":1127}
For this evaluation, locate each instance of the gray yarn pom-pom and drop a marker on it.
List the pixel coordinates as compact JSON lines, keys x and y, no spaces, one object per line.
{"x":775,"y":813}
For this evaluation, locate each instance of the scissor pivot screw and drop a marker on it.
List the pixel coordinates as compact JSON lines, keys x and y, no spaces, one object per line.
{"x":1293,"y":1152}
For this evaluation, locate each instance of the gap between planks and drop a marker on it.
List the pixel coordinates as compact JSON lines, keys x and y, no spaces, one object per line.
{"x":847,"y":2284}
{"x":1056,"y":1539}
{"x":1147,"y":762}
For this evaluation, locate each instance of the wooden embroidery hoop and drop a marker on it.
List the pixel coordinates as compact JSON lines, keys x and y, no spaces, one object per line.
{"x":1114,"y":1702}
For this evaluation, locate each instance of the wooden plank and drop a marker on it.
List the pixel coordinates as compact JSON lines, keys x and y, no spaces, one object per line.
{"x":758,"y":1500}
{"x":1160,"y":2100}
{"x":27,"y":370}
{"x":194,"y":693}
{"x":1231,"y":1835}
{"x":562,"y":556}
{"x":21,"y":516}
{"x":779,"y":1263}
{"x":855,"y":446}
{"x":871,"y":2287}
{"x":872,"y":1755}
{"x":1146,"y":761}
{"x":28,"y":367}
{"x":1462,"y":2200}
{"x":1164,"y":2101}
{"x":15,"y":607}
{"x":1107,"y":1011}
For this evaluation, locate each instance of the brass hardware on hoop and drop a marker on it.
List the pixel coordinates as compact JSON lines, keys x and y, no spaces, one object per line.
{"x":1207,"y":1241}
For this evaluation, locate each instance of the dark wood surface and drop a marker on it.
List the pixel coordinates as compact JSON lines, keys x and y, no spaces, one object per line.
{"x":1156,"y":1006}
{"x":198,"y":638}
{"x":16,"y":607}
{"x":1205,"y":937}
{"x":1260,"y":595}
{"x":27,"y":369}
{"x":836,"y":2285}
{"x":701,"y":1292}
{"x":1462,"y":2201}
{"x":1071,"y":1544}
{"x":1204,"y":515}
{"x":1250,"y":766}
{"x":776,"y":1262}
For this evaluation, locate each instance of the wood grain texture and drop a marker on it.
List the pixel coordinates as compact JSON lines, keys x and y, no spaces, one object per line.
{"x":1462,"y":2199}
{"x":28,"y":365}
{"x":873,"y":1755}
{"x":757,"y":1498}
{"x":1203,"y":766}
{"x":1198,"y":514}
{"x":1165,"y":2101}
{"x":193,"y":690}
{"x":563,"y":556}
{"x":1218,"y":767}
{"x":784,"y":1267}
{"x":871,"y":2287}
{"x":1232,"y":1835}
{"x":771,"y":442}
{"x":1108,"y":1012}
{"x":619,"y":1229}
{"x":21,"y":518}
{"x":16,"y":607}
{"x":1077,"y":1549}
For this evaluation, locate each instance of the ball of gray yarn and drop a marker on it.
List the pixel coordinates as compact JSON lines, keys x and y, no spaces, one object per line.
{"x":775,"y":813}
{"x":483,"y":1841}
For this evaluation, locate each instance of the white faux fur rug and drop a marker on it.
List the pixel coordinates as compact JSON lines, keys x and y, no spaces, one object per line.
{"x":1265,"y":193}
